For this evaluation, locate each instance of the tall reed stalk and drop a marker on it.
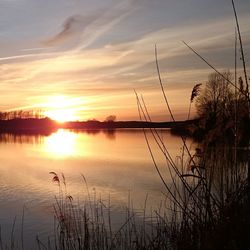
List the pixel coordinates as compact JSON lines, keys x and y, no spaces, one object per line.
{"x":210,"y":187}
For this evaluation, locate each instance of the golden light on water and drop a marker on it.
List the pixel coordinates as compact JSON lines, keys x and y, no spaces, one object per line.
{"x":61,"y":144}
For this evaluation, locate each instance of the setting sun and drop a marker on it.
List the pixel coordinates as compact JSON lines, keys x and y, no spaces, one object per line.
{"x":61,"y":115}
{"x":62,"y":108}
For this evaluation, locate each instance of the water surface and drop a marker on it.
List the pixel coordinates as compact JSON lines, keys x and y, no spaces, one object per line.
{"x":115,"y":164}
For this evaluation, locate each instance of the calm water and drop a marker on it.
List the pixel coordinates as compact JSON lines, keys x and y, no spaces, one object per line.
{"x":115,"y":164}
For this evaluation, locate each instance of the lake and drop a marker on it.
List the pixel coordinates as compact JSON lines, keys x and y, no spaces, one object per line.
{"x":116,"y":164}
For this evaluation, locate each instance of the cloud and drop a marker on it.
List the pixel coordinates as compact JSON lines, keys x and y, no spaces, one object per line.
{"x":104,"y":24}
{"x":71,"y":26}
{"x":76,"y":32}
{"x":87,"y":29}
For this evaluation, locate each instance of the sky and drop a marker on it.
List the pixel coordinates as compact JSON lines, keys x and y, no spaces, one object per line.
{"x":83,"y":59}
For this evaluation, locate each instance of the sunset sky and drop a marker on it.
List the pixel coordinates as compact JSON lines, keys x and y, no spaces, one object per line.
{"x":83,"y":59}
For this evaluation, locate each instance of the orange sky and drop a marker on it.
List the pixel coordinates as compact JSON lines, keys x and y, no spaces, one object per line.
{"x":83,"y":60}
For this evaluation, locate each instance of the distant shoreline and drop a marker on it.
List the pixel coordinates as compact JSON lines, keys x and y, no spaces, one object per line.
{"x":46,"y":125}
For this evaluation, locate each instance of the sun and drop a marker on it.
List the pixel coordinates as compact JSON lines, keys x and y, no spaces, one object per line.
{"x":61,"y":115}
{"x":63,"y":108}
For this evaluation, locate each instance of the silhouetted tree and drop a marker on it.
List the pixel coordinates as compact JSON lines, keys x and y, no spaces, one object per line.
{"x":110,"y":118}
{"x":215,"y":98}
{"x":221,"y":109}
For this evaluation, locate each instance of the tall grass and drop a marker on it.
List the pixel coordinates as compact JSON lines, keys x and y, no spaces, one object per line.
{"x":89,"y":224}
{"x":210,"y":188}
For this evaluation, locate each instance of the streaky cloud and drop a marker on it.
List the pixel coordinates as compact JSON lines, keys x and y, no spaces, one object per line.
{"x":72,"y":25}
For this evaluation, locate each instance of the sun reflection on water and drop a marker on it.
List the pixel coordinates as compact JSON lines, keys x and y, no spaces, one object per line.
{"x":61,"y":144}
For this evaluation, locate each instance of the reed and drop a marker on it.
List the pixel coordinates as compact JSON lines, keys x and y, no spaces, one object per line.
{"x":209,"y":193}
{"x":89,"y":224}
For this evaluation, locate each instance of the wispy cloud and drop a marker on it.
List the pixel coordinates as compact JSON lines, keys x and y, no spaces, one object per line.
{"x":105,"y":22}
{"x":88,"y":28}
{"x":72,"y":26}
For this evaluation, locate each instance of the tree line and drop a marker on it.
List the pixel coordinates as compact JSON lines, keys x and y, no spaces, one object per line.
{"x":21,"y":114}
